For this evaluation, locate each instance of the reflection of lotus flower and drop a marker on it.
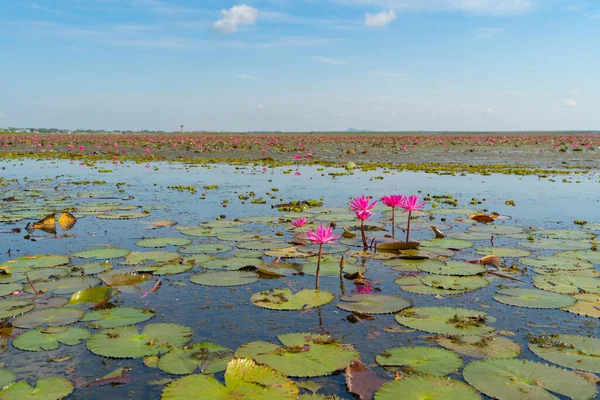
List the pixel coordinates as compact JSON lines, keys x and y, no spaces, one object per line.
{"x":320,"y":236}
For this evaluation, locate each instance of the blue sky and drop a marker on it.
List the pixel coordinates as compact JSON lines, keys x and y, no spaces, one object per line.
{"x":297,"y":65}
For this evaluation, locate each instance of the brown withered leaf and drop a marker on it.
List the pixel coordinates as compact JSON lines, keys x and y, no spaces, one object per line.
{"x":362,"y":381}
{"x":481,"y":217}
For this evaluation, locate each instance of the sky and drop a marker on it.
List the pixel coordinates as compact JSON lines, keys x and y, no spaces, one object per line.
{"x":301,"y":65}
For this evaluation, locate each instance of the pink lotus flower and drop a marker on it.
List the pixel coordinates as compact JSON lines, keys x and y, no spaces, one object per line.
{"x":297,"y":173}
{"x":393,"y":200}
{"x":81,"y":148}
{"x":147,"y":150}
{"x":410,"y":204}
{"x":298,"y":157}
{"x":300,"y":222}
{"x":361,"y":204}
{"x":363,"y":215}
{"x":70,"y":147}
{"x":322,"y":235}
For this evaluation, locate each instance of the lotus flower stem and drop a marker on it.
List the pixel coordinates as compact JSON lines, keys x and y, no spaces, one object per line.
{"x":362,"y":234}
{"x":31,"y":284}
{"x":319,"y":266}
{"x":408,"y":227}
{"x":393,"y":222}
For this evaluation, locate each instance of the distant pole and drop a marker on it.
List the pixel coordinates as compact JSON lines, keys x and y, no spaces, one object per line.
{"x":181,"y":128}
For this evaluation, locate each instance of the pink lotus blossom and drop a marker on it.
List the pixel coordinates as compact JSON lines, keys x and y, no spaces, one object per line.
{"x":264,"y":150}
{"x":297,"y":173}
{"x":70,"y":147}
{"x":300,"y":222}
{"x":147,"y":150}
{"x":411,"y":203}
{"x":393,"y":200}
{"x":322,"y":235}
{"x":361,"y":204}
{"x":298,"y":157}
{"x":147,"y":165}
{"x":81,"y":148}
{"x":363,"y":215}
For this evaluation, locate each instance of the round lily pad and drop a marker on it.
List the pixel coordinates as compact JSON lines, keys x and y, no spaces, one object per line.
{"x":244,"y":379}
{"x":502,"y":252}
{"x":45,"y":389}
{"x":231,"y":263}
{"x":249,"y":254}
{"x":37,"y":261}
{"x":207,"y":357}
{"x":91,"y":268}
{"x":421,"y":360}
{"x":564,"y":234}
{"x":49,"y":338}
{"x":449,"y":282}
{"x":283,"y":299}
{"x":225,"y":278}
{"x":330,"y":266}
{"x":313,"y":249}
{"x":571,"y":351}
{"x":446,"y":320}
{"x":426,"y":387}
{"x":237,"y":237}
{"x":163,"y":242}
{"x":567,"y":284}
{"x":10,"y":307}
{"x":587,"y":304}
{"x":452,"y":268}
{"x":8,"y":288}
{"x":586,"y":255}
{"x":123,"y":215}
{"x":118,"y":316}
{"x":114,"y":278}
{"x":555,"y":244}
{"x":320,"y":354}
{"x":470,"y":235}
{"x":48,"y":316}
{"x":167,"y":269}
{"x":6,"y":377}
{"x":496,"y":229}
{"x":205,"y":248}
{"x":557,"y":263}
{"x":413,"y":284}
{"x":447,"y":243}
{"x":66,"y":285}
{"x":128,"y":342}
{"x":137,"y":257}
{"x":413,"y":265}
{"x":527,"y":380}
{"x":373,"y":303}
{"x":262,"y":245}
{"x":481,"y":346}
{"x":43,"y":274}
{"x":103,"y":253}
{"x":533,"y":298}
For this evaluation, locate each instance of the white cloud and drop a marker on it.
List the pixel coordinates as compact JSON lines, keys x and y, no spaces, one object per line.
{"x":380,"y":19}
{"x":570,"y":103}
{"x":234,"y":17}
{"x":490,"y":111}
{"x":328,"y":60}
{"x":489,"y":7}
{"x":249,"y":77}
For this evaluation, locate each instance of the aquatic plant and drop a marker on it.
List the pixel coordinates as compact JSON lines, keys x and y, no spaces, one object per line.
{"x":322,"y":235}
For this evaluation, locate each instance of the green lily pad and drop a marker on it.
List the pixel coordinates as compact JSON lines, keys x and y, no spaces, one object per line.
{"x":458,"y":211}
{"x":167,"y":269}
{"x":533,"y":298}
{"x":10,"y":307}
{"x":330,"y":266}
{"x":555,"y":244}
{"x":373,"y":303}
{"x":223,"y":224}
{"x":426,"y":387}
{"x":67,"y":285}
{"x":123,"y":215}
{"x":481,"y":346}
{"x":244,"y":380}
{"x":48,"y":316}
{"x":128,"y":342}
{"x":49,"y":338}
{"x":249,"y":253}
{"x":225,"y":278}
{"x":586,"y":255}
{"x":93,"y":295}
{"x":115,"y":317}
{"x":313,"y":249}
{"x":470,"y":235}
{"x":527,"y":380}
{"x":283,"y":299}
{"x":280,"y":269}
{"x":588,"y":273}
{"x":502,"y":252}
{"x":304,"y":354}
{"x":45,"y":389}
{"x":571,"y":351}
{"x":455,"y":282}
{"x":446,"y":320}
{"x":564,"y":234}
{"x":237,"y":237}
{"x":137,"y":257}
{"x":567,"y":284}
{"x":207,"y":357}
{"x":452,"y":268}
{"x":114,"y":278}
{"x":8,"y":288}
{"x":421,"y":360}
{"x":587,"y":304}
{"x":163,"y":242}
{"x":231,"y":263}
{"x":496,"y":229}
{"x":6,"y":377}
{"x":37,"y":261}
{"x":413,"y":284}
{"x":413,"y":265}
{"x":43,"y":274}
{"x":198,"y":232}
{"x":103,"y":253}
{"x":559,"y":263}
{"x":91,"y":268}
{"x":262,"y":245}
{"x":205,"y":248}
{"x":447,"y":243}
{"x":12,"y":276}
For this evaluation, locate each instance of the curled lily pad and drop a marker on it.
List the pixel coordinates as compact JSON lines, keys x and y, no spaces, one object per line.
{"x":49,"y":338}
{"x":502,"y":252}
{"x":163,"y":242}
{"x":577,"y":352}
{"x":93,"y":295}
{"x":48,"y":316}
{"x":118,"y":316}
{"x":283,"y":299}
{"x":449,"y":282}
{"x":373,"y":303}
{"x":205,"y":248}
{"x":304,"y":354}
{"x":452,"y":268}
{"x":125,"y":279}
{"x":207,"y":357}
{"x":128,"y":342}
{"x":567,"y":284}
{"x":104,"y":253}
{"x":45,"y":389}
{"x":413,"y":284}
{"x":37,"y":261}
{"x":446,"y":320}
{"x":421,"y":360}
{"x":426,"y":387}
{"x":527,"y":380}
{"x":225,"y":278}
{"x":231,"y":263}
{"x":481,"y":346}
{"x":11,"y":307}
{"x":533,"y":298}
{"x":244,"y":380}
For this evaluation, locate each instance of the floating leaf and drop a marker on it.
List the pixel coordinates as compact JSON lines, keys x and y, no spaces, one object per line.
{"x":283,"y":299}
{"x":49,"y":338}
{"x":587,"y":304}
{"x":421,"y":360}
{"x":137,"y":257}
{"x":244,"y":380}
{"x":413,"y":284}
{"x":8,"y":288}
{"x":128,"y":342}
{"x":125,"y":279}
{"x":304,"y":354}
{"x":167,"y":269}
{"x":426,"y":387}
{"x":557,"y":263}
{"x":447,"y":243}
{"x":452,"y":268}
{"x":361,"y":380}
{"x":373,"y":303}
{"x":43,"y":274}
{"x":502,"y":252}
{"x":6,"y":377}
{"x":45,"y":389}
{"x":446,"y":320}
{"x":225,"y":278}
{"x":570,"y":351}
{"x":48,"y":316}
{"x":262,"y":245}
{"x":123,"y":215}
{"x":555,"y":244}
{"x":413,"y":265}
{"x":93,"y":295}
{"x":564,"y":234}
{"x":103,"y":253}
{"x":90,"y":268}
{"x":522,"y":379}
{"x":567,"y":284}
{"x":231,"y":263}
{"x":10,"y":308}
{"x":455,"y":282}
{"x":37,"y":261}
{"x":118,"y":316}
{"x":207,"y":357}
{"x":533,"y":298}
{"x":330,"y":266}
{"x":481,"y":346}
{"x":163,"y":242}
{"x":206,"y":248}
{"x":496,"y":229}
